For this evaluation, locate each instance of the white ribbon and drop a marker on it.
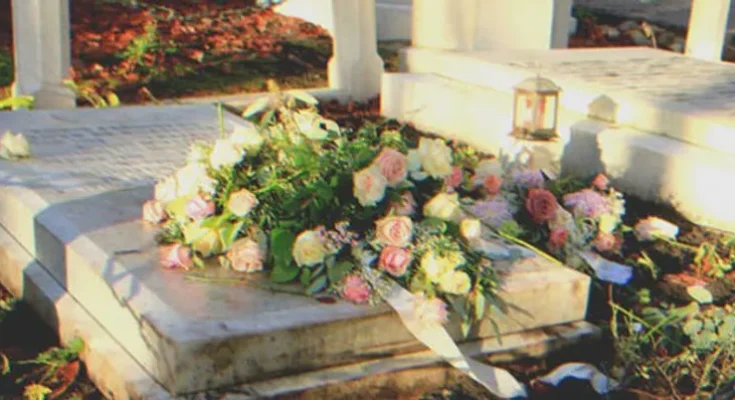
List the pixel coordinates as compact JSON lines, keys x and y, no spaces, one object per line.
{"x":433,"y":335}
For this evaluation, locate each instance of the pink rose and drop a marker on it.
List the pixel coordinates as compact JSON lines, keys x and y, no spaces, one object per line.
{"x":394,"y":260}
{"x":431,"y":310}
{"x":393,"y":165}
{"x":455,"y":178}
{"x":153,"y":211}
{"x":557,"y":238}
{"x":198,"y":208}
{"x":405,"y":206}
{"x":394,"y":230}
{"x":600,"y":182}
{"x":245,"y":255}
{"x":541,"y":204}
{"x":492,"y":184}
{"x":356,"y":290}
{"x":176,"y":256}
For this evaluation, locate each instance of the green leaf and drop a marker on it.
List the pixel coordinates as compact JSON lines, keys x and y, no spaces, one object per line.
{"x":214,"y":221}
{"x":700,"y":294}
{"x":75,"y":346}
{"x":305,"y":276}
{"x":281,"y":244}
{"x":318,"y":285}
{"x":267,"y":118}
{"x":284,"y":272}
{"x":177,"y":208}
{"x":229,"y":233}
{"x":339,"y":271}
{"x":466,"y":327}
{"x":304,"y":97}
{"x":480,"y":305}
{"x":256,"y":106}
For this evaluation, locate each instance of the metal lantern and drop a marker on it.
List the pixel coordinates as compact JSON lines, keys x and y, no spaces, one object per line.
{"x":536,"y":109}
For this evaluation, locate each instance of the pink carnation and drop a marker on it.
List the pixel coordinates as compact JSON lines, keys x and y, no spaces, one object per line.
{"x":198,"y":208}
{"x":587,"y":203}
{"x":176,"y":256}
{"x":356,"y":289}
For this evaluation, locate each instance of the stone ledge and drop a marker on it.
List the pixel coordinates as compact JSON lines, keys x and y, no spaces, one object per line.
{"x":650,"y":166}
{"x":651,"y":90}
{"x":116,"y":374}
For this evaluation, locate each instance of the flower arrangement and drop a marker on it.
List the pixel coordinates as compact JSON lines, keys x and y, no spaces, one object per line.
{"x":338,"y":211}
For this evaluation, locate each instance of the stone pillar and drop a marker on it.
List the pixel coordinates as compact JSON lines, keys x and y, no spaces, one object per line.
{"x":355,"y":66}
{"x":523,"y":24}
{"x":707,"y":26}
{"x":444,"y":24}
{"x":42,"y":45}
{"x":491,"y":24}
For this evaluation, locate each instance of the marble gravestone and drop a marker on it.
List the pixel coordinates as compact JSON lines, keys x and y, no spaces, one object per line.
{"x":73,"y":210}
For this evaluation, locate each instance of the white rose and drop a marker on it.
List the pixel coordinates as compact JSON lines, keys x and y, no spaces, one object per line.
{"x":436,"y":157}
{"x":444,"y":206}
{"x":308,"y":249}
{"x":197,"y":153}
{"x":14,"y":146}
{"x":653,"y":228}
{"x":192,"y":178}
{"x":247,"y":138}
{"x":369,"y":186}
{"x":225,"y":154}
{"x":455,"y":282}
{"x":166,"y":190}
{"x":470,"y":228}
{"x":313,"y":126}
{"x":242,"y":202}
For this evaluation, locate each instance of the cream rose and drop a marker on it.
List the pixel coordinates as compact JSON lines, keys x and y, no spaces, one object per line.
{"x":444,"y":206}
{"x":436,"y":157}
{"x":247,"y":138}
{"x":393,"y":165}
{"x":434,"y":266}
{"x":245,"y":255}
{"x":429,"y":310}
{"x":455,"y":282}
{"x":308,"y":249}
{"x":369,"y":186}
{"x":225,"y":154}
{"x":242,"y":202}
{"x":394,"y":231}
{"x":470,"y":228}
{"x":192,"y":178}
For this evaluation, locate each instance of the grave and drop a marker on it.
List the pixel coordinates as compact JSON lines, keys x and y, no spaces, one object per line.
{"x":73,"y":244}
{"x":659,"y":123}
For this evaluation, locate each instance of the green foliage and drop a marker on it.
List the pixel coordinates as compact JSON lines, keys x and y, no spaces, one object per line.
{"x":93,"y":96}
{"x":7,"y":69}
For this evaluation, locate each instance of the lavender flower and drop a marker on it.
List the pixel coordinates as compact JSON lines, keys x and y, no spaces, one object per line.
{"x":493,"y":212}
{"x":529,"y":179}
{"x":587,"y":203}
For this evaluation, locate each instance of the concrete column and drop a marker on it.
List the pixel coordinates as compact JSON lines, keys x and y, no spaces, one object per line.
{"x":42,"y":45}
{"x":523,"y":24}
{"x":355,"y":66}
{"x":707,"y":26}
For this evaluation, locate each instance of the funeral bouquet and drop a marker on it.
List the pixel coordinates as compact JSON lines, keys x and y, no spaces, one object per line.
{"x":338,"y":211}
